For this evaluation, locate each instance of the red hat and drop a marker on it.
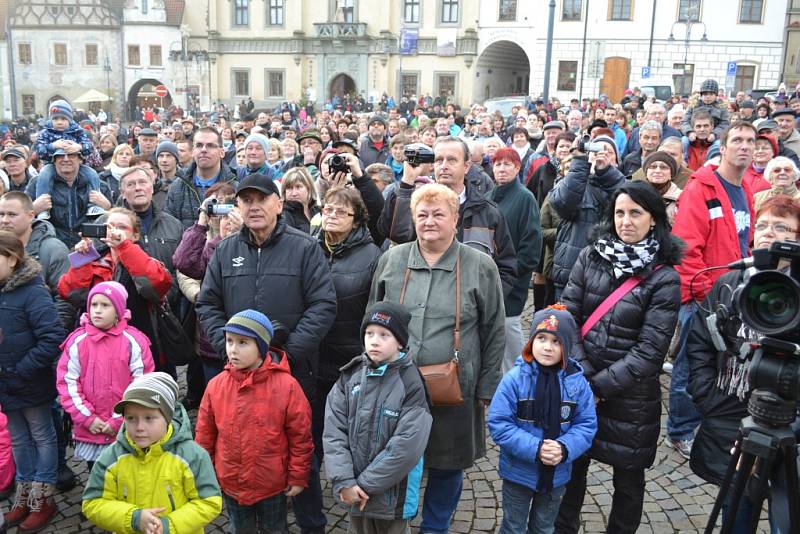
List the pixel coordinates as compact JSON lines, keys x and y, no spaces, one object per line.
{"x":773,"y":141}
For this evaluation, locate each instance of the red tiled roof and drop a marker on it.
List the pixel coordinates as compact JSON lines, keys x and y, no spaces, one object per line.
{"x":174,"y":11}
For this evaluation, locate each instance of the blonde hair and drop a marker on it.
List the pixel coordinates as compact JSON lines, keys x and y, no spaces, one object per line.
{"x":274,"y":143}
{"x":432,"y":193}
{"x":300,"y":175}
{"x":118,"y":149}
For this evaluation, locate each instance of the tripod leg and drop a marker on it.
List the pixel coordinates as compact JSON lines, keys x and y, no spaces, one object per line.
{"x":792,"y":490}
{"x":725,"y":486}
{"x":740,"y":480}
{"x":758,"y":492}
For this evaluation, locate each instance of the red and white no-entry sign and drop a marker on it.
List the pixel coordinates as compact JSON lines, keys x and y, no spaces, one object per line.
{"x":161,"y":91}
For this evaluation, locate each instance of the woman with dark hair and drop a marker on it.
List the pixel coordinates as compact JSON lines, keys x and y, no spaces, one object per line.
{"x":632,"y":255}
{"x":328,"y":136}
{"x":32,"y":333}
{"x":352,"y":258}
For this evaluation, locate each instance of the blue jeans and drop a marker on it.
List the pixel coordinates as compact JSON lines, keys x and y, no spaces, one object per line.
{"x":442,"y":494}
{"x":518,"y":514}
{"x":268,"y":515}
{"x":34,"y":444}
{"x":683,"y":417}
{"x":44,"y":182}
{"x":307,"y":505}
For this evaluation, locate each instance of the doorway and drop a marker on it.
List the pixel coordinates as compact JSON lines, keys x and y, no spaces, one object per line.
{"x":341,"y":85}
{"x":616,"y":76}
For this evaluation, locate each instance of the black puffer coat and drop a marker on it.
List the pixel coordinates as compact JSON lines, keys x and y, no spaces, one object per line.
{"x":352,"y":266}
{"x":623,"y":354}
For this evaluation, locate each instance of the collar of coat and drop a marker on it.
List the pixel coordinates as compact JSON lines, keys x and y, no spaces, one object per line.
{"x":446,"y":263}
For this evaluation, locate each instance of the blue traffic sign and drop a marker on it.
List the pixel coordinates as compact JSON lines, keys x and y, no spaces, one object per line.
{"x":731,"y":68}
{"x":645,"y":72}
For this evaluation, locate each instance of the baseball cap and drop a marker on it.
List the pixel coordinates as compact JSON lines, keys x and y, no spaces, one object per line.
{"x":767,"y":124}
{"x":13,"y":151}
{"x":259,"y":182}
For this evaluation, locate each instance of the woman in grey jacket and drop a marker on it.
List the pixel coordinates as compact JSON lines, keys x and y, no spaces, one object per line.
{"x":423,"y":275}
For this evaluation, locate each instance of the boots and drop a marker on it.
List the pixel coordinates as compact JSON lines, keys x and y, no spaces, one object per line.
{"x":42,"y":508}
{"x":19,"y":510}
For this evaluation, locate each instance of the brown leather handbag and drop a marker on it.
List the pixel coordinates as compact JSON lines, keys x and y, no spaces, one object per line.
{"x":441,"y":379}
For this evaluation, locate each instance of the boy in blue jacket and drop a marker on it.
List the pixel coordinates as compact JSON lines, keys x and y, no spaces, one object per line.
{"x":542,"y":417}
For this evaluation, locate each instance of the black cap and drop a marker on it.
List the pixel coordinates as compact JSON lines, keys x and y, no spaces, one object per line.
{"x":393,"y":317}
{"x":259,"y":182}
{"x":767,"y":124}
{"x":148,"y":132}
{"x":13,"y":151}
{"x":346,"y":142}
{"x":783,"y":111}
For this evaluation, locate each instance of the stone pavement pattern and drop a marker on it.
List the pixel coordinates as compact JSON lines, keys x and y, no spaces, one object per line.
{"x":676,"y":500}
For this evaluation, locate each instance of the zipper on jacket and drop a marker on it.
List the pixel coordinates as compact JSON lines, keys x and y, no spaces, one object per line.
{"x":171,"y":498}
{"x":125,"y":493}
{"x":258,"y":268}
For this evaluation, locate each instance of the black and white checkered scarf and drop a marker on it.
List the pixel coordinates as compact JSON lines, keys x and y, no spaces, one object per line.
{"x":626,"y":258}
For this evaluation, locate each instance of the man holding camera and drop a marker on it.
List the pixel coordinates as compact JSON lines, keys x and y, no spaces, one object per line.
{"x":481,"y":225}
{"x":718,"y":371}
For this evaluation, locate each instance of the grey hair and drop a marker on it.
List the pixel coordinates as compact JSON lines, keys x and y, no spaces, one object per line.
{"x":782,"y":161}
{"x":651,"y":125}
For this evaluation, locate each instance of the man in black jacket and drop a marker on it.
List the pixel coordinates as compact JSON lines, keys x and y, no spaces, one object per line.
{"x":481,"y":225}
{"x":281,"y":272}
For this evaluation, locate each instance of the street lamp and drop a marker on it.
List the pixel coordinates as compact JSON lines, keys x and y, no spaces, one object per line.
{"x":107,"y":69}
{"x":688,"y":24}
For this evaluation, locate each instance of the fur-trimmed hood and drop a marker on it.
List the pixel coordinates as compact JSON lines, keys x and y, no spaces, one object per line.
{"x":26,"y":272}
{"x":673,"y":255}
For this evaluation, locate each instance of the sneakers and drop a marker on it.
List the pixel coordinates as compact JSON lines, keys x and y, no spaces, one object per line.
{"x":667,"y":367}
{"x":42,"y":508}
{"x":67,"y":479}
{"x":19,"y":510}
{"x":683,"y":446}
{"x":94,"y":211}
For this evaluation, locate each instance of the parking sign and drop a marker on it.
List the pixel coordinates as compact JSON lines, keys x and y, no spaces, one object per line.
{"x":731,"y":68}
{"x":645,"y":73}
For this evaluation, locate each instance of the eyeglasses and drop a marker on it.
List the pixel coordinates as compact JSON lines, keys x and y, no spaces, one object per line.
{"x":209,"y":146}
{"x":783,"y":169}
{"x":778,"y":228}
{"x":659,"y":166}
{"x":337,"y":212}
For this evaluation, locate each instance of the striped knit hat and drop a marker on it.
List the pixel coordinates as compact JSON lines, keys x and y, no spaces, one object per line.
{"x":253,"y":324}
{"x":154,"y":390}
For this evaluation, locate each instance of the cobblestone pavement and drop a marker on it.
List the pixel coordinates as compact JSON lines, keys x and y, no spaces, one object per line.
{"x":676,"y":501}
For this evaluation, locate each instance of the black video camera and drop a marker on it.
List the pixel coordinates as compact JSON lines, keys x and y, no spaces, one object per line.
{"x":586,"y":145}
{"x":214,"y":208}
{"x":418,"y":153}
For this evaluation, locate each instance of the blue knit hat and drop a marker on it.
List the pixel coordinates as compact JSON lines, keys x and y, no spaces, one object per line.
{"x":251,"y":323}
{"x":61,"y":108}
{"x":554,"y":320}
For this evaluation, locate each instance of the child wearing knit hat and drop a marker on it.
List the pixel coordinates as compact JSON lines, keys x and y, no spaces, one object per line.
{"x":154,"y":478}
{"x":376,"y":474}
{"x":255,"y":422}
{"x":542,"y":417}
{"x":98,"y":361}
{"x":54,"y":140}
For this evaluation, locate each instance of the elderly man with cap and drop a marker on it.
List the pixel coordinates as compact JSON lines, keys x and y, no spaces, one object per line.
{"x":146,"y":142}
{"x":770,"y":127}
{"x":747,"y":109}
{"x":168,"y":171}
{"x":375,"y":148}
{"x":16,"y":167}
{"x":787,"y":133}
{"x":281,"y":272}
{"x":70,"y":196}
{"x":256,"y":147}
{"x":308,"y":156}
{"x":546,"y":150}
{"x":187,"y":127}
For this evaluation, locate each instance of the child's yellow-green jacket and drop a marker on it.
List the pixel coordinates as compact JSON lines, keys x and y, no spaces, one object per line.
{"x":175,"y":474}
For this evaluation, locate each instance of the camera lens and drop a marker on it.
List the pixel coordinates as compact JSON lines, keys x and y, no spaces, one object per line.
{"x":770,"y":303}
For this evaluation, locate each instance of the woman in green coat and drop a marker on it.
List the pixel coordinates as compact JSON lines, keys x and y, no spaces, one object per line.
{"x":422,"y":275}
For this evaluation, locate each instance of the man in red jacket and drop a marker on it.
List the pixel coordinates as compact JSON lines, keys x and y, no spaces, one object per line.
{"x":715,"y":219}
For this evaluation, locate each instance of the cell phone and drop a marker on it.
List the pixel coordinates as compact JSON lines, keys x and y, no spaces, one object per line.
{"x":93,"y":230}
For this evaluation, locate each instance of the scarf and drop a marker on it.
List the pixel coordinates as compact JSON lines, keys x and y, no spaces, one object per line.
{"x":116,"y":170}
{"x":626,"y":258}
{"x":547,"y":416}
{"x":521,"y":151}
{"x":555,"y":162}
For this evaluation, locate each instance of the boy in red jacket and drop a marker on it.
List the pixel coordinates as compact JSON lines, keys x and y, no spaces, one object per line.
{"x":254,"y":419}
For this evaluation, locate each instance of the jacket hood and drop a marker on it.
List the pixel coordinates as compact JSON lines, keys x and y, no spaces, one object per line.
{"x":278,"y":362}
{"x":179,"y":430}
{"x":40,"y":230}
{"x":675,"y":248}
{"x":27,"y":272}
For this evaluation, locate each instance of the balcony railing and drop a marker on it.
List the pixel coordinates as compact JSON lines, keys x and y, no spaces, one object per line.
{"x":340,"y":30}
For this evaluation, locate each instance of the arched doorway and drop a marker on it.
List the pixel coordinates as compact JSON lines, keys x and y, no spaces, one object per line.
{"x":503,"y":69}
{"x":341,"y":85}
{"x":143,"y":94}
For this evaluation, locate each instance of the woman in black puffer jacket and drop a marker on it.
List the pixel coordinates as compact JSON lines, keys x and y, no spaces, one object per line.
{"x":624,"y":350}
{"x":352,"y":257}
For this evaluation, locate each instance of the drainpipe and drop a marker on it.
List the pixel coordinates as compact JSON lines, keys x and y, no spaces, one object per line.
{"x":652,"y":31}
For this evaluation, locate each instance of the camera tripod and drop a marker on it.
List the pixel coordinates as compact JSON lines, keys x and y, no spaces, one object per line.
{"x":765,"y":445}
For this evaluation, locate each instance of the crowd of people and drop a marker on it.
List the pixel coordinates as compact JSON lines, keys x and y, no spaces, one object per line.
{"x":348,"y":287}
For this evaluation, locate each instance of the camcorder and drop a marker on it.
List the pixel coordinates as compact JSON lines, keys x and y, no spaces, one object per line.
{"x":338,"y":163}
{"x":214,"y":208}
{"x":418,"y":153}
{"x":586,"y":145}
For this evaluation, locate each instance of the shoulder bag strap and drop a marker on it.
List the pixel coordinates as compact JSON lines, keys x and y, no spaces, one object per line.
{"x":457,"y":329}
{"x":610,"y":301}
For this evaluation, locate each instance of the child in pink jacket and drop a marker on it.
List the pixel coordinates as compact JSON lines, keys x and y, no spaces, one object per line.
{"x":98,"y":361}
{"x":7,"y":468}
